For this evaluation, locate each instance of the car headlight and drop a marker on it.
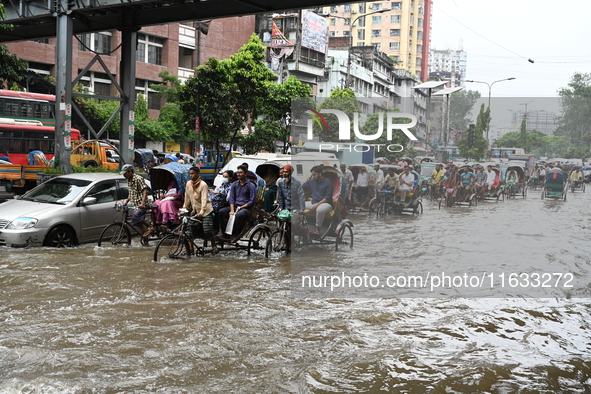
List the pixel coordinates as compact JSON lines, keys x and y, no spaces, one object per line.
{"x":22,"y":223}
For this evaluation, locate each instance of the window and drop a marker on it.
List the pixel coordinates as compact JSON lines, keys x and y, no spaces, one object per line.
{"x":376,"y":19}
{"x":421,"y":10}
{"x":394,"y":32}
{"x":104,"y":192}
{"x":95,"y":42}
{"x":419,"y":35}
{"x":142,"y":86}
{"x":347,"y":7}
{"x":186,"y":57}
{"x":377,"y":6}
{"x":42,"y":40}
{"x":333,"y":9}
{"x":333,"y":21}
{"x":149,"y":49}
{"x":347,"y":21}
{"x":419,"y":48}
{"x":394,"y":46}
{"x":361,"y":34}
{"x":362,"y":8}
{"x":396,"y":5}
{"x":420,"y":22}
{"x":394,"y":18}
{"x":332,"y":34}
{"x":376,"y":33}
{"x":361,"y":22}
{"x":377,"y":45}
{"x":96,"y":82}
{"x":346,"y":33}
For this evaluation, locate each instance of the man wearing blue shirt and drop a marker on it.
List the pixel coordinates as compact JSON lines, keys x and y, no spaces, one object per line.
{"x":321,"y":190}
{"x":242,"y":197}
{"x":5,"y":157}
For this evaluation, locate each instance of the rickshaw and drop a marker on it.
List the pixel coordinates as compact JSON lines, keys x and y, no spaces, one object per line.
{"x":515,"y":182}
{"x":390,"y":202}
{"x":371,"y":181}
{"x":339,"y":231}
{"x":466,"y":197}
{"x":575,"y":185}
{"x":426,"y":169}
{"x":496,"y":192}
{"x":167,"y":181}
{"x":555,"y":185}
{"x":269,"y":171}
{"x":144,"y":158}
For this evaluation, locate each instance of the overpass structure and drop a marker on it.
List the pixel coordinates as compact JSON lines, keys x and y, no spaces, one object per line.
{"x":33,"y":19}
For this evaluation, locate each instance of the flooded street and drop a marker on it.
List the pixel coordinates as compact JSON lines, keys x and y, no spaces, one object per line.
{"x":108,"y":320}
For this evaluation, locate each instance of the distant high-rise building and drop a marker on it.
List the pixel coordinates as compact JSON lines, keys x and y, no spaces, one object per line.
{"x":403,"y":32}
{"x":448,"y":65}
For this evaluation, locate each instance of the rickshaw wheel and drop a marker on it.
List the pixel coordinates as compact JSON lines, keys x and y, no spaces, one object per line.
{"x":115,"y":233}
{"x":564,"y":196}
{"x":344,"y":239}
{"x":258,"y":239}
{"x":442,"y":202}
{"x":418,"y":210}
{"x":277,"y":243}
{"x":172,"y":246}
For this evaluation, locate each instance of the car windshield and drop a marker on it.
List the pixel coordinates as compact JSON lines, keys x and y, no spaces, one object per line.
{"x":57,"y":191}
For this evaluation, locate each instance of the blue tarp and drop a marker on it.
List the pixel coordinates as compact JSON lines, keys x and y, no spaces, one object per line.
{"x":161,"y":176}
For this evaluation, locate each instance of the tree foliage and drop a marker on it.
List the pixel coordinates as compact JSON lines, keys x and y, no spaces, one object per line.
{"x":11,"y":67}
{"x":460,"y":108}
{"x":472,"y":144}
{"x":576,"y":111}
{"x":228,"y":93}
{"x":340,"y":99}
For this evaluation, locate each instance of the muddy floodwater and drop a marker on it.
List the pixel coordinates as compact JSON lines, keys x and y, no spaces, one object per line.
{"x":106,"y":320}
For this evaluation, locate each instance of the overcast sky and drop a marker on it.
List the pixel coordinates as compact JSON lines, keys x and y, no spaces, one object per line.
{"x":500,"y":35}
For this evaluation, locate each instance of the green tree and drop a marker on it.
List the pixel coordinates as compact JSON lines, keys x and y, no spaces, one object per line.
{"x":576,"y":112}
{"x":228,"y":93}
{"x":523,"y":137}
{"x":472,"y":144}
{"x":460,"y":108}
{"x":340,"y":99}
{"x":12,"y":68}
{"x":284,"y":102}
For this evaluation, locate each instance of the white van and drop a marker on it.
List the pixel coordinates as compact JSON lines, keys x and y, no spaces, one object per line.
{"x":303,"y":162}
{"x":253,"y":162}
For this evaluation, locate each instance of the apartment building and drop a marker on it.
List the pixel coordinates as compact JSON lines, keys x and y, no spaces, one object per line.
{"x":401,"y":29}
{"x":448,"y":65}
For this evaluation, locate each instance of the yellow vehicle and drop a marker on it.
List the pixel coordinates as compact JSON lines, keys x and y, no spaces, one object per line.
{"x":94,"y":153}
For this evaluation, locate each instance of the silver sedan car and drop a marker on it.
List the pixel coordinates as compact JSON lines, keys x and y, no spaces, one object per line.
{"x":64,"y":211}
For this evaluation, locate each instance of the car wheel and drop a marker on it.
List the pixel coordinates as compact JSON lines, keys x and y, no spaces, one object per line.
{"x":60,"y":237}
{"x":89,"y":163}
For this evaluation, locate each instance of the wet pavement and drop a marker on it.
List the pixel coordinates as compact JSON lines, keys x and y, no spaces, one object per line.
{"x":104,"y":320}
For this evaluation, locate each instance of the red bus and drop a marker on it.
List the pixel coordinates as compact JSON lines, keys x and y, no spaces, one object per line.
{"x":17,"y":140}
{"x":24,"y":105}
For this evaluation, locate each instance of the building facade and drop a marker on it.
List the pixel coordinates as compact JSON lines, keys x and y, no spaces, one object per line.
{"x":402,"y":32}
{"x":176,"y":47}
{"x":448,"y":65}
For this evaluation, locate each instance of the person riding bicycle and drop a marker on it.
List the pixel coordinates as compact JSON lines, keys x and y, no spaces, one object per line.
{"x":198,"y":204}
{"x":138,"y":196}
{"x":290,"y":192}
{"x":576,"y":176}
{"x":321,"y":190}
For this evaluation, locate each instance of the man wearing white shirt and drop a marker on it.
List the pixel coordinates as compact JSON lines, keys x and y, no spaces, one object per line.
{"x":362,"y":185}
{"x":379,"y":177}
{"x":491,"y":176}
{"x":406,"y":181}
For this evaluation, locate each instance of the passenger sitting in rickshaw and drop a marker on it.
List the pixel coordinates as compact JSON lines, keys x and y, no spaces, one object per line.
{"x":321,"y":191}
{"x":407,"y":181}
{"x":491,"y":177}
{"x":391,"y":181}
{"x":166,"y":207}
{"x":242,"y":198}
{"x":219,"y":198}
{"x":480,"y":182}
{"x":512,"y":177}
{"x":467,"y":180}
